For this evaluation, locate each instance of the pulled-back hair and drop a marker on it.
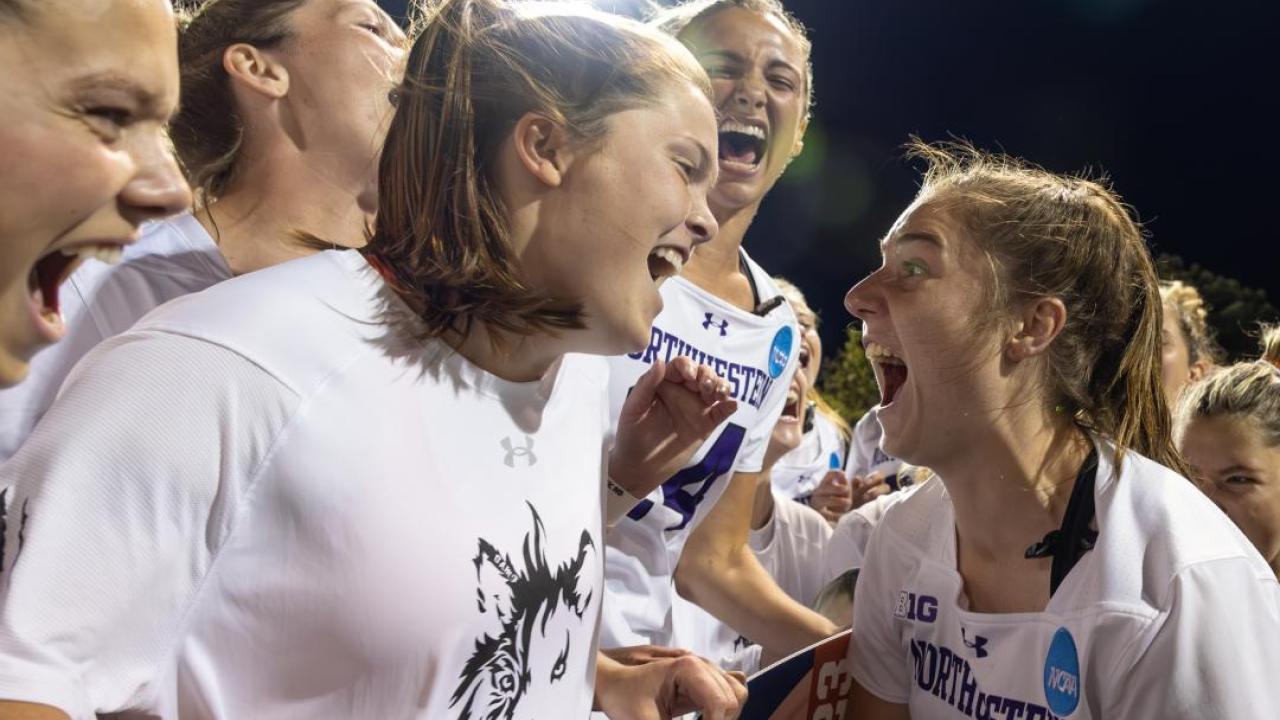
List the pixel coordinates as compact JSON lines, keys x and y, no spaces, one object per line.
{"x":208,"y":130}
{"x":1249,"y":390}
{"x":1067,"y":237}
{"x":675,"y":20}
{"x":476,"y":68}
{"x":1193,"y":320}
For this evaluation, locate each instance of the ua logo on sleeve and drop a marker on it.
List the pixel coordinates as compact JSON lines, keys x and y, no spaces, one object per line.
{"x":978,"y":644}
{"x":535,"y":612}
{"x":514,"y":452}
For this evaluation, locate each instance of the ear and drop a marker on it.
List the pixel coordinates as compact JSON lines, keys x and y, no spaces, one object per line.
{"x":543,"y":148}
{"x":1042,"y":320}
{"x":254,"y":69}
{"x":798,"y":147}
{"x":1199,"y":369}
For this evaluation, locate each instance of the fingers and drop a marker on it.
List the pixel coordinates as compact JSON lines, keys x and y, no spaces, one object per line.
{"x":699,"y":379}
{"x":644,"y":654}
{"x":644,"y":391}
{"x":701,"y":686}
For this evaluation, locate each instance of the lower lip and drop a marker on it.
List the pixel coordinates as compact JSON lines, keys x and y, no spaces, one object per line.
{"x":739,"y":169}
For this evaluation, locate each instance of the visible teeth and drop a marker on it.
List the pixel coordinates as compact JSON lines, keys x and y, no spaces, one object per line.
{"x":735,"y":126}
{"x":109,"y":254}
{"x":671,"y":256}
{"x":792,"y":397}
{"x":876,"y":352}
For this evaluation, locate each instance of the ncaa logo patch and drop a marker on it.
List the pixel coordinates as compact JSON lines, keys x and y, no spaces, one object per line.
{"x":780,"y":351}
{"x":1062,"y":674}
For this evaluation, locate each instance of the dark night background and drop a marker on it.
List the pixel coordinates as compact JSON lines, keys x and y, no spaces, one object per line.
{"x":1173,"y":99}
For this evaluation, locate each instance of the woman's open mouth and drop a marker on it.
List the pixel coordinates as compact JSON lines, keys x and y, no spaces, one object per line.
{"x":50,"y":271}
{"x":665,"y":262}
{"x":892,"y":371}
{"x":742,"y":145}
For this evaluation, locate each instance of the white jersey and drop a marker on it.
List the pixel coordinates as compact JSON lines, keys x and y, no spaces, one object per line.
{"x":1173,"y":615}
{"x":848,"y":543}
{"x":865,"y":455}
{"x":757,"y":355}
{"x":822,"y":449}
{"x":172,"y":258}
{"x":336,"y":521}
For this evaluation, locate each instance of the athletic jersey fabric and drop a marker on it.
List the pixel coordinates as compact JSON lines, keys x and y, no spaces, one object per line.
{"x":267,"y":501}
{"x":1172,"y":615}
{"x":865,"y":455}
{"x":848,"y":543}
{"x":173,"y":257}
{"x":757,"y":355}
{"x":822,"y":449}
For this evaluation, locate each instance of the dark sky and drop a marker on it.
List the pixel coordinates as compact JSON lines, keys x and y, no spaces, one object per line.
{"x":1174,"y":99}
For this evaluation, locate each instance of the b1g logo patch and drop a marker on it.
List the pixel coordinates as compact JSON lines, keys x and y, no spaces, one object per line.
{"x":780,"y":351}
{"x":1062,"y":674}
{"x":916,"y":607}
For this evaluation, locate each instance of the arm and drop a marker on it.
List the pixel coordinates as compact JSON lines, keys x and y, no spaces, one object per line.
{"x":11,"y":710}
{"x":865,"y":705}
{"x":717,"y":570}
{"x":660,"y":684}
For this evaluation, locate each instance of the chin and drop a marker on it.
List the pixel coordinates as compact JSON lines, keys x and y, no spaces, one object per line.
{"x":13,"y":369}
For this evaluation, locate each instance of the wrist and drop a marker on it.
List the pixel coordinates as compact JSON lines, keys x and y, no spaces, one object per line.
{"x":618,"y":501}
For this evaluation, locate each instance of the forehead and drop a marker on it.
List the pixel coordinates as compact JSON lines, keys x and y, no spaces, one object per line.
{"x":321,"y":10}
{"x":744,"y":32}
{"x":680,"y":109}
{"x":1215,"y":442}
{"x":130,"y":41}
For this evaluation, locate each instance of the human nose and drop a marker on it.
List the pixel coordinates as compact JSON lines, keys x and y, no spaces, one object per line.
{"x":158,"y":188}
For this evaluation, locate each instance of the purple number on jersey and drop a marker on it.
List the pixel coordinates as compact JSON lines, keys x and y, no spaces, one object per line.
{"x":718,"y":461}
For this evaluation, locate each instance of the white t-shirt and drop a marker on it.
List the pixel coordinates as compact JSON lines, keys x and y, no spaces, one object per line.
{"x":264,"y":501}
{"x":757,"y":355}
{"x":848,"y":543}
{"x":821,"y":450}
{"x":1173,"y":615}
{"x":172,"y":258}
{"x":865,"y":455}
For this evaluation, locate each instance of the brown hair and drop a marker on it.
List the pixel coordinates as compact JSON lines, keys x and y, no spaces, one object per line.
{"x":1247,"y":390}
{"x":19,"y":10}
{"x":1192,"y":320}
{"x":675,"y":20}
{"x":1069,"y":237}
{"x":208,"y":131}
{"x":477,"y":67}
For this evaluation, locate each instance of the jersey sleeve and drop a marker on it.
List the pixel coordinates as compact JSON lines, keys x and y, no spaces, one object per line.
{"x":877,"y":657}
{"x":751,"y":456}
{"x":119,"y":502}
{"x":1212,"y":654}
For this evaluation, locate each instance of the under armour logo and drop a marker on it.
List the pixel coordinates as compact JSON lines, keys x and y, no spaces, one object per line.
{"x":979,"y":644}
{"x":710,"y":322}
{"x":514,"y":452}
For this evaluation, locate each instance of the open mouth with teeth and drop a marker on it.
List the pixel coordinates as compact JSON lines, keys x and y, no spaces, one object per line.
{"x":795,"y":404}
{"x":892,"y":371}
{"x":665,"y":262}
{"x":51,"y":270}
{"x":742,"y":145}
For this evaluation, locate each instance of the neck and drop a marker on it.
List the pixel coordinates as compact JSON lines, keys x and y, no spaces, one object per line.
{"x":1023,"y":469}
{"x":714,"y":265}
{"x":256,"y":222}
{"x":515,"y":358}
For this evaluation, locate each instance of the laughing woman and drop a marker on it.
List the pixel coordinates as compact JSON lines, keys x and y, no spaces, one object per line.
{"x":381,"y":493}
{"x":1059,"y":564}
{"x":85,"y":94}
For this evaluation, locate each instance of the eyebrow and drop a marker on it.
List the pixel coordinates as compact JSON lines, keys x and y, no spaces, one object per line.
{"x":1237,"y":469}
{"x":916,"y":236}
{"x":739,"y":60}
{"x":147,"y":101}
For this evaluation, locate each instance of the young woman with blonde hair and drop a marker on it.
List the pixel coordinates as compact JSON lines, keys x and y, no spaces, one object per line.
{"x":1058,"y":564}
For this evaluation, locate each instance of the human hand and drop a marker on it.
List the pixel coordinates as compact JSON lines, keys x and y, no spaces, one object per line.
{"x":833,"y":496}
{"x":866,"y":489}
{"x":672,"y":409}
{"x":668,"y":687}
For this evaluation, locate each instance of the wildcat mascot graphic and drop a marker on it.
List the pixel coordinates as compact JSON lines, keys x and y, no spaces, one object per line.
{"x":533,"y":608}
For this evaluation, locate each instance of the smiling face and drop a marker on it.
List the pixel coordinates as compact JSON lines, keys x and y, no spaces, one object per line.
{"x":758,"y":71}
{"x":789,"y":430}
{"x":627,"y":215}
{"x":343,"y":58}
{"x":85,"y":96}
{"x":1241,"y":473}
{"x":938,"y":372}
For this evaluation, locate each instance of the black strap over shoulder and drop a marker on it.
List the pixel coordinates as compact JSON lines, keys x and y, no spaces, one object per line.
{"x":762,"y":308}
{"x":1070,"y":542}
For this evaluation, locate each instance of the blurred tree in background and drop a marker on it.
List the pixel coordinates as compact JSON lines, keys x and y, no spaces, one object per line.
{"x":1234,"y":310}
{"x":847,"y":381}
